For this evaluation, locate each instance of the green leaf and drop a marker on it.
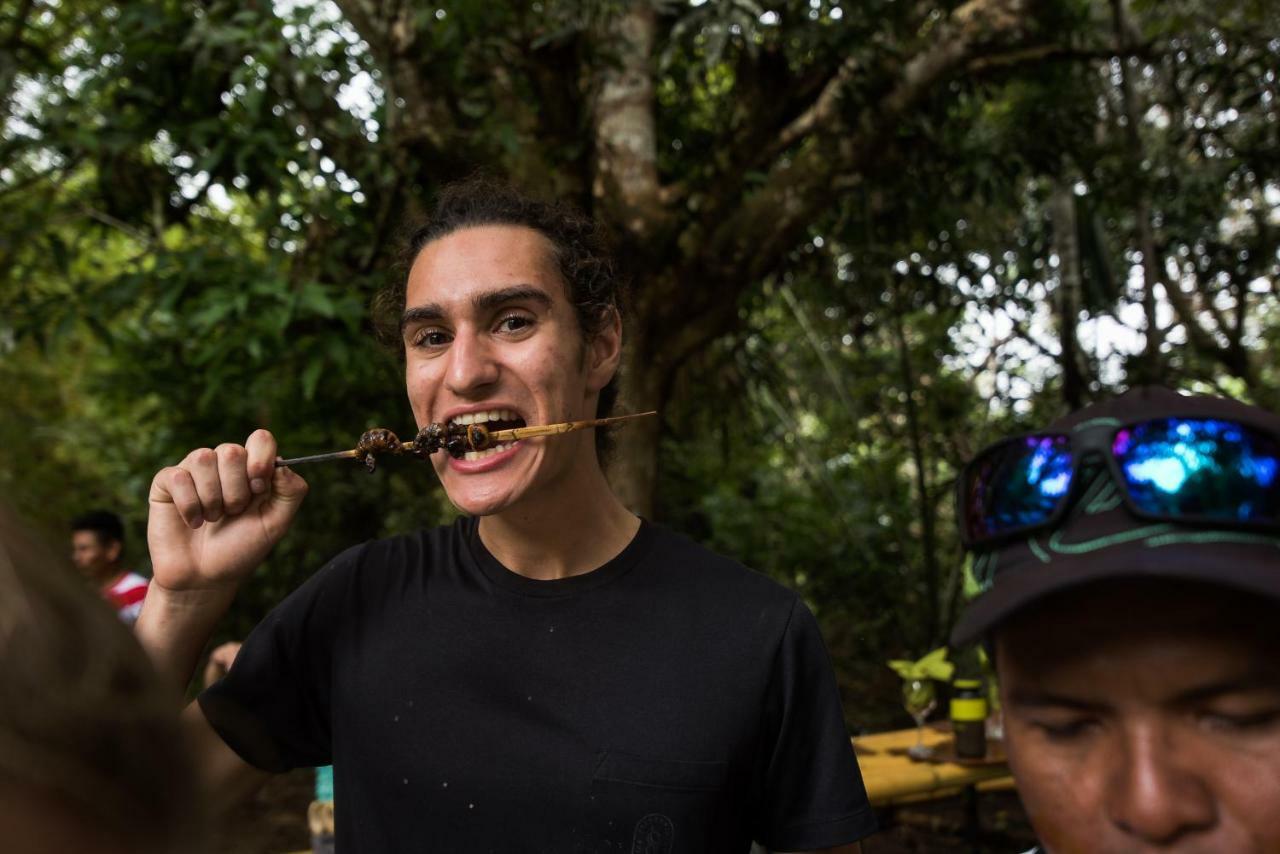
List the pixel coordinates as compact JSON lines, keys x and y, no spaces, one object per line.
{"x":311,"y":378}
{"x":934,"y":665}
{"x":211,"y":314}
{"x":314,"y":298}
{"x":905,"y":669}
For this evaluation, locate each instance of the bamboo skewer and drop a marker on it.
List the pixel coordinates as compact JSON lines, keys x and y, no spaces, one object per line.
{"x":353,"y":454}
{"x":473,"y":437}
{"x":517,"y":433}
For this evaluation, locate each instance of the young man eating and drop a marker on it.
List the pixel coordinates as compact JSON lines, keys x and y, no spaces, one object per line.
{"x":550,"y":673}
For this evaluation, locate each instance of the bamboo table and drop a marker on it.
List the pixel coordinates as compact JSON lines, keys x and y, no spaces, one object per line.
{"x":893,"y":778}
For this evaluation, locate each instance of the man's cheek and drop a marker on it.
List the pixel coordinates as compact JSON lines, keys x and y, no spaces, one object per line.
{"x":1065,"y":820}
{"x":1248,"y":797}
{"x":1060,"y":801}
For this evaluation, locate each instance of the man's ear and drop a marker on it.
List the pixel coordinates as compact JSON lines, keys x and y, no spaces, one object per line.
{"x":114,"y":547}
{"x":604,"y":352}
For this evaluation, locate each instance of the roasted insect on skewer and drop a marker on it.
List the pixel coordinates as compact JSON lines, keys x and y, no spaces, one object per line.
{"x":455,"y":439}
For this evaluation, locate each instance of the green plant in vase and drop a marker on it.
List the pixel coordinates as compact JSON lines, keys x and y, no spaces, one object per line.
{"x":919,"y":697}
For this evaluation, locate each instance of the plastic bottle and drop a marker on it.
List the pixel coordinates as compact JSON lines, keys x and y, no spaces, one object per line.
{"x":968,"y":718}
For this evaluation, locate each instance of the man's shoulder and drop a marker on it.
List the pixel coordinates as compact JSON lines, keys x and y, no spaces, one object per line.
{"x":373,"y":571}
{"x":703,"y":568}
{"x":409,"y":551}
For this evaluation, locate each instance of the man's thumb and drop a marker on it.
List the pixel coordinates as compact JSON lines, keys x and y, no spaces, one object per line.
{"x":287,"y":492}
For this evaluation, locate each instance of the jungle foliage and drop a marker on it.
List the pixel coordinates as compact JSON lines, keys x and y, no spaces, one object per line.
{"x":864,"y":239}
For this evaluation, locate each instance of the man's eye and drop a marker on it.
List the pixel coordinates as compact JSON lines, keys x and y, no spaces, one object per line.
{"x":514,"y":323}
{"x":1066,"y":730}
{"x":430,"y":338}
{"x":1241,"y":722}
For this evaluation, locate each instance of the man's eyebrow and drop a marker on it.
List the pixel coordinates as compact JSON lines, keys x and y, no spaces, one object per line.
{"x":1244,"y":683}
{"x":420,"y":313}
{"x":489,"y":300}
{"x":482,"y":303}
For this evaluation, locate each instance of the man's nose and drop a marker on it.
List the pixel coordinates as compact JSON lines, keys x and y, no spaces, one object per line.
{"x":1155,"y":795}
{"x":472,"y":366}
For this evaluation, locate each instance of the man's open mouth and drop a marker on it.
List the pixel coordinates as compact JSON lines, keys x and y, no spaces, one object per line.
{"x":494,"y":419}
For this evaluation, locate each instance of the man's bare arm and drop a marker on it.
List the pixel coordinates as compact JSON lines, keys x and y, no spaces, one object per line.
{"x":174,"y":627}
{"x":212,"y":520}
{"x":225,"y":777}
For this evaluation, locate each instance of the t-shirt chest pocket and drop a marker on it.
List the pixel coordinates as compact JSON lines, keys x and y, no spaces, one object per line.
{"x":649,"y":805}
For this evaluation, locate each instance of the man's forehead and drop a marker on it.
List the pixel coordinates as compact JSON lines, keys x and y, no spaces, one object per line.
{"x":455,"y":298}
{"x":1166,"y":650}
{"x":1134,"y":606}
{"x":488,"y":252}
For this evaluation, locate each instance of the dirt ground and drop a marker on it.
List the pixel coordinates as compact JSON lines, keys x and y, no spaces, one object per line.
{"x":274,"y":821}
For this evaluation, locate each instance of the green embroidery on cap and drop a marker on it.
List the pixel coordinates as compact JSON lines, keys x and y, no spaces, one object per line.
{"x":1189,"y":537}
{"x":984,"y":571}
{"x":1108,"y":498}
{"x":1097,"y":483}
{"x":1055,"y":541}
{"x":1096,"y":422}
{"x":1101,"y":494}
{"x":1038,"y":550}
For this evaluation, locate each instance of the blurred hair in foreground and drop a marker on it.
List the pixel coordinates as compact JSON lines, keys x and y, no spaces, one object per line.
{"x":91,"y":756}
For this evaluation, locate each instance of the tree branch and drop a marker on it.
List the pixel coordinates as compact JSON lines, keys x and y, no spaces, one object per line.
{"x":1035,"y":54}
{"x":120,"y":225}
{"x":770,"y":221}
{"x":820,"y":114}
{"x":1201,"y":339}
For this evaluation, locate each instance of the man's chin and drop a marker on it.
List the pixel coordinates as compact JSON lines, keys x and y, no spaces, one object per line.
{"x":472,"y":504}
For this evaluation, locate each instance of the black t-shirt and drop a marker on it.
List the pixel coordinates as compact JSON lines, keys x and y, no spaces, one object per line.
{"x":669,"y":701}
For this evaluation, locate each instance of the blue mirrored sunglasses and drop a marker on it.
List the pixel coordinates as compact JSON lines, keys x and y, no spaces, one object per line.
{"x":1198,"y":471}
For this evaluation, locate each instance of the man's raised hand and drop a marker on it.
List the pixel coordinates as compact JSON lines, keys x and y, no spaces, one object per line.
{"x":215,"y":516}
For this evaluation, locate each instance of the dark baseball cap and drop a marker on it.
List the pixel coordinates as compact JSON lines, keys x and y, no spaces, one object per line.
{"x":1100,"y":539}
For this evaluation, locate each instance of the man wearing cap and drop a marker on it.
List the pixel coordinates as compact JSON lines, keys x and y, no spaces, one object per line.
{"x":1130,"y":561}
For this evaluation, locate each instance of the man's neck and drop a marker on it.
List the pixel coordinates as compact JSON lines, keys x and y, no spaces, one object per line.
{"x":579,"y":528}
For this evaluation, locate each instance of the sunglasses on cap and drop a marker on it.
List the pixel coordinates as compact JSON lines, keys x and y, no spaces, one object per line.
{"x":1194,"y":470}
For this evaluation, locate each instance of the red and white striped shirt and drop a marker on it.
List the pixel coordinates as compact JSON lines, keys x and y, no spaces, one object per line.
{"x":125,"y":594}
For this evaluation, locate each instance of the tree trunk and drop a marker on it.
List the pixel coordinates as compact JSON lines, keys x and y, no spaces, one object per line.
{"x":1066,"y":243}
{"x":929,"y":542}
{"x":1151,"y":276}
{"x":633,"y":468}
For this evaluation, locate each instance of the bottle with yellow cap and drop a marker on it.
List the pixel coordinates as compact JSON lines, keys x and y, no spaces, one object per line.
{"x":968,"y":718}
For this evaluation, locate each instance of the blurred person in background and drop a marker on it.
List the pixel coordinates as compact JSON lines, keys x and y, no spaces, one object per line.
{"x":1130,"y":560}
{"x":220,"y":661}
{"x":97,"y":549}
{"x":92,"y":758}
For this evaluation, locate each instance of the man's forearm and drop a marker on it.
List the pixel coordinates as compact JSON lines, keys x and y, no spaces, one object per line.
{"x":174,"y":627}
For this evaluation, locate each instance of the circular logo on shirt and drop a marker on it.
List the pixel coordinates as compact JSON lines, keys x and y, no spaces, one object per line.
{"x":654,"y":835}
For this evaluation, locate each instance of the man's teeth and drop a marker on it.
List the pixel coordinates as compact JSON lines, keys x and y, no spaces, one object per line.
{"x":482,"y":417}
{"x":472,"y":456}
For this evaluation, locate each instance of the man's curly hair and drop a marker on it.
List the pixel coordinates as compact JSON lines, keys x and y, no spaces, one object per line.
{"x":581,"y":253}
